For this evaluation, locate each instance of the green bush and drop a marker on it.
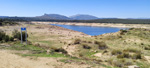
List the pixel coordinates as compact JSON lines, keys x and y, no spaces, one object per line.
{"x":85,"y":46}
{"x":124,"y":55}
{"x":147,"y":47}
{"x":11,"y":39}
{"x":2,"y":35}
{"x":116,"y":52}
{"x":123,"y":31}
{"x":89,"y":41}
{"x":17,"y":35}
{"x":134,"y":50}
{"x":118,"y":63}
{"x":59,"y":50}
{"x":137,"y":56}
{"x":101,"y":45}
{"x":129,"y":62}
{"x":77,"y":41}
{"x":6,"y":38}
{"x":120,"y":56}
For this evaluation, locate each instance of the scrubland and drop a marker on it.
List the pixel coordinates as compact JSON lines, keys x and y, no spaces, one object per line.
{"x":57,"y":47}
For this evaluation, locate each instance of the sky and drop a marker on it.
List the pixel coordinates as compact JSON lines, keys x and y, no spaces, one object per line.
{"x":99,"y":8}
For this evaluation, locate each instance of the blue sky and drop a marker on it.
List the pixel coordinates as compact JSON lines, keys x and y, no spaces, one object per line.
{"x":99,"y":8}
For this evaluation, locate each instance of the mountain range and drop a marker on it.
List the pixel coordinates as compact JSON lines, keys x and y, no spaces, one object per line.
{"x":62,"y":17}
{"x":53,"y":16}
{"x":59,"y":17}
{"x":83,"y":17}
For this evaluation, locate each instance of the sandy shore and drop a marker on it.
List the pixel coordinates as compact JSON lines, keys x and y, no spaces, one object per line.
{"x":100,"y":24}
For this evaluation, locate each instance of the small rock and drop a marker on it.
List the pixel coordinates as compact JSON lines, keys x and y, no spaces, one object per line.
{"x":48,"y":51}
{"x":98,"y":54}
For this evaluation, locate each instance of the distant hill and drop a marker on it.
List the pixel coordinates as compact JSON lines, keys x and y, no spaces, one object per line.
{"x":53,"y":16}
{"x":3,"y":16}
{"x":79,"y":18}
{"x":83,"y":17}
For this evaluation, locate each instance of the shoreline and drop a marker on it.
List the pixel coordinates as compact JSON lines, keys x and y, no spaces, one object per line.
{"x":147,"y":26}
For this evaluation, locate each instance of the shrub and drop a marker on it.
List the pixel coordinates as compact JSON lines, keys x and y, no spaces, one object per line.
{"x":142,"y":43}
{"x":85,"y":46}
{"x":123,"y":31}
{"x":129,"y":62}
{"x":77,"y":41}
{"x":124,"y":55}
{"x":89,"y":41}
{"x":105,"y":51}
{"x":120,"y":56}
{"x":147,"y":47}
{"x":6,"y":38}
{"x":116,"y":52}
{"x":101,"y":45}
{"x":17,"y":35}
{"x":59,"y":50}
{"x":2,"y":35}
{"x":11,"y":39}
{"x":132,"y":50}
{"x":118,"y":63}
{"x":137,"y":56}
{"x":96,"y":42}
{"x":131,"y":28}
{"x":121,"y":63}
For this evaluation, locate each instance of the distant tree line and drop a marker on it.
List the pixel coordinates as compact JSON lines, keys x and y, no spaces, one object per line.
{"x":123,"y":21}
{"x":7,"y":22}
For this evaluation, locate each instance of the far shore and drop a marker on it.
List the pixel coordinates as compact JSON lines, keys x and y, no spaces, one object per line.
{"x":147,"y":26}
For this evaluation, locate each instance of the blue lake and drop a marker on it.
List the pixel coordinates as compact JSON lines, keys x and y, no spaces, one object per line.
{"x":91,"y":30}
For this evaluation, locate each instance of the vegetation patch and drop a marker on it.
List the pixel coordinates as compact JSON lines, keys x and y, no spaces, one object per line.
{"x":44,"y":54}
{"x":116,"y":52}
{"x":120,"y":62}
{"x":124,"y":55}
{"x":4,"y":22}
{"x":86,"y":46}
{"x":101,"y":45}
{"x":17,"y":34}
{"x":4,"y":37}
{"x":134,"y":50}
{"x":77,"y":41}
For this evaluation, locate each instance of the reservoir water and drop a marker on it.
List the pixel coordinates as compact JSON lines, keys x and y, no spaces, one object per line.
{"x":91,"y":30}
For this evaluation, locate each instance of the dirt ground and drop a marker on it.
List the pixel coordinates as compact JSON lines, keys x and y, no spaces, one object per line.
{"x":39,"y":33}
{"x":10,"y":60}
